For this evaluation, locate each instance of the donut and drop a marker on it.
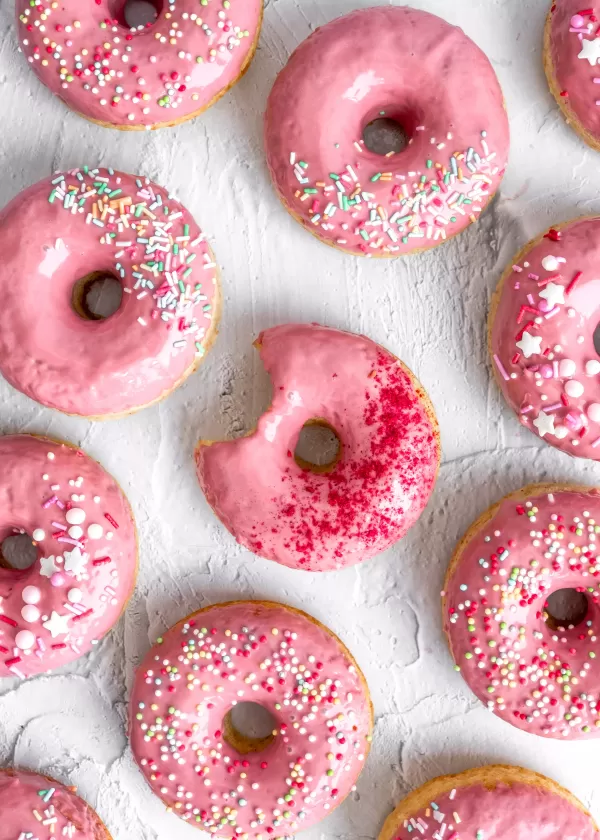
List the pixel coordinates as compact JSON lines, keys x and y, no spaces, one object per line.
{"x":571,"y":53}
{"x":543,"y":317}
{"x":57,"y":238}
{"x":515,"y":657}
{"x":145,"y":77}
{"x":427,"y":77}
{"x":81,"y":524}
{"x":36,"y":806}
{"x":498,"y":802}
{"x":324,"y":518}
{"x":217,"y":778}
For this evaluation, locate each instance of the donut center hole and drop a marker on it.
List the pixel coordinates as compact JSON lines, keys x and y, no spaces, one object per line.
{"x":565,"y":609}
{"x":18,"y":551}
{"x":249,"y":727}
{"x":596,"y":339}
{"x":385,"y":136}
{"x":318,"y":448}
{"x":97,"y":296}
{"x":136,"y":14}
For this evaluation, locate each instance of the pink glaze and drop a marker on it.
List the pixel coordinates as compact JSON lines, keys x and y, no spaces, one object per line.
{"x":574,"y":53}
{"x":410,"y":66}
{"x":507,"y":812}
{"x":265,"y":653}
{"x":53,"y":612}
{"x":376,"y":491}
{"x":541,"y":680}
{"x":542,"y":339}
{"x":137,"y":355}
{"x":169,"y":71}
{"x":33,"y":806}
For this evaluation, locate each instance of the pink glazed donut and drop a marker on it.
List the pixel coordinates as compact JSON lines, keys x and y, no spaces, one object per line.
{"x":417,"y":70}
{"x":82,"y":525}
{"x":184,"y":738}
{"x":145,"y":77}
{"x":542,"y":329}
{"x":519,"y":661}
{"x":56,"y":238}
{"x":36,"y":806}
{"x":320,"y":519}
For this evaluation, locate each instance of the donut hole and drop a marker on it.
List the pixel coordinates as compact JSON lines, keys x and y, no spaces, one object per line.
{"x":137,"y":14}
{"x":249,"y":727}
{"x":565,"y":609}
{"x":18,"y":551}
{"x":97,"y":296}
{"x":596,"y":339}
{"x":385,"y":136}
{"x":319,"y":447}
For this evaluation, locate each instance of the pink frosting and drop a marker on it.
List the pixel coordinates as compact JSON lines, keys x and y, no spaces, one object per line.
{"x":539,"y":679}
{"x":542,"y":339}
{"x":410,"y":66}
{"x":169,"y":71}
{"x":34,"y":806}
{"x":53,"y":612}
{"x":515,"y":812}
{"x":376,"y":491}
{"x":263,"y":653}
{"x":575,"y":51}
{"x":59,"y":231}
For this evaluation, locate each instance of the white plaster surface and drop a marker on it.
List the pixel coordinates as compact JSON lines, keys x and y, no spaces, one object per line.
{"x":430,"y":310}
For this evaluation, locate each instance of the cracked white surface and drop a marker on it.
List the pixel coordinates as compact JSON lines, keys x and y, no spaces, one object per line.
{"x":429,"y":310}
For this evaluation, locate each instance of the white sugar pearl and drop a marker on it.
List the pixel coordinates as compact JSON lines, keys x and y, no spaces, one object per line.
{"x":573,"y":388}
{"x":30,"y":613}
{"x":567,"y":368}
{"x":39,"y":534}
{"x":75,"y":532}
{"x":75,"y":595}
{"x":550,"y":263}
{"x":95,"y":532}
{"x":31,"y":595}
{"x":592,"y":367}
{"x":75,"y":516}
{"x":561,"y":432}
{"x":593,"y":412}
{"x":24,"y":639}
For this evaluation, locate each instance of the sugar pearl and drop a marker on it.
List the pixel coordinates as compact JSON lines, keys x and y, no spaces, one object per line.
{"x":561,"y":432}
{"x":573,"y":388}
{"x":74,"y":595}
{"x":593,"y":412}
{"x":57,"y":579}
{"x":75,"y":516}
{"x":24,"y":639}
{"x":39,"y":534}
{"x":30,"y":613}
{"x":75,"y":532}
{"x":592,"y":367}
{"x":95,"y":532}
{"x":550,"y":263}
{"x":31,"y":595}
{"x":567,"y":368}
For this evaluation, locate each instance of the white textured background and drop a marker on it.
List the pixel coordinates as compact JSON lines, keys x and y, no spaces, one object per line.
{"x":430,"y":310}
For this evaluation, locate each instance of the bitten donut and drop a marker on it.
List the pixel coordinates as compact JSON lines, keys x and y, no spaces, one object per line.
{"x":143,"y":77}
{"x":571,"y":54}
{"x":81,"y":524}
{"x":324,"y":518}
{"x":57,"y":238}
{"x":496,"y":802}
{"x":426,"y":76}
{"x":533,"y":673}
{"x":201,"y":766}
{"x":542,"y":337}
{"x":35,"y":807}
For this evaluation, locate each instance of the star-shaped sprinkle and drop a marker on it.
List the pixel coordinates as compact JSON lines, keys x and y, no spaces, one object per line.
{"x":48,"y":566}
{"x":57,"y":624}
{"x":530,"y":344}
{"x":75,"y":561}
{"x":590,"y":50}
{"x":544,"y":423}
{"x":554,"y":294}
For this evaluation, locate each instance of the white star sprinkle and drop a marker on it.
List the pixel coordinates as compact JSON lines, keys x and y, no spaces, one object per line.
{"x":554,"y":294}
{"x":544,"y":423}
{"x":530,"y":344}
{"x":75,"y":561}
{"x":48,"y":566}
{"x":57,"y":624}
{"x":590,"y":50}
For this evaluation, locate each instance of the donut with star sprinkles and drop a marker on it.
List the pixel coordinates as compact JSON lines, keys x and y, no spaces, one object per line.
{"x":145,"y":77}
{"x":203,"y":768}
{"x":532,"y":668}
{"x":427,"y":78}
{"x":543,"y":337}
{"x":85,"y":566}
{"x":60,"y":237}
{"x":36,"y":807}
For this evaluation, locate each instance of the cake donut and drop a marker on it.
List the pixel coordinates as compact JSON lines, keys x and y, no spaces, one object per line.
{"x":571,"y":54}
{"x":515,"y":657}
{"x":81,"y":524}
{"x":209,"y":773}
{"x":326,"y":518}
{"x":414,"y":69}
{"x":143,"y":77}
{"x":57,"y":238}
{"x":36,"y":806}
{"x":496,"y":802}
{"x":543,"y":318}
